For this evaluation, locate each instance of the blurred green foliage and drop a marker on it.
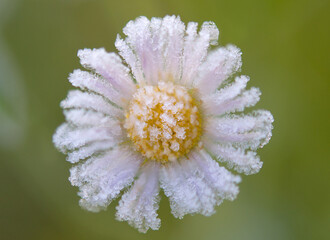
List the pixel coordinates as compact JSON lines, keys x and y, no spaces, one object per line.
{"x":285,"y":48}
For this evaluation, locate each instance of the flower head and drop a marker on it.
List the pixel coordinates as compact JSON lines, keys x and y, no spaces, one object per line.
{"x":170,"y":119}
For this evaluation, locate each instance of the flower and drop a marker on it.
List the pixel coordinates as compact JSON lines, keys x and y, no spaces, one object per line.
{"x":169,"y":119}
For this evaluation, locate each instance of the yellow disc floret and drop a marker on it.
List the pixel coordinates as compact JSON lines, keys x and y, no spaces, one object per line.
{"x":163,"y":122}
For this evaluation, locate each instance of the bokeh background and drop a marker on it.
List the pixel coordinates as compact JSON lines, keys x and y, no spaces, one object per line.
{"x":285,"y":46}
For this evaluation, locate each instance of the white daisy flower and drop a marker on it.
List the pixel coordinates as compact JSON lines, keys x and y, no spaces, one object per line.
{"x":169,"y":119}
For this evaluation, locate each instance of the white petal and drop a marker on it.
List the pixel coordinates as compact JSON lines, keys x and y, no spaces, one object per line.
{"x":219,"y":65}
{"x":197,"y":185}
{"x":88,"y":81}
{"x":246,"y":131}
{"x":172,"y":33}
{"x":186,"y":190}
{"x":110,"y":66}
{"x":153,"y":49}
{"x":100,"y":179}
{"x":68,"y":137}
{"x":82,"y":117}
{"x":85,"y":100}
{"x":222,"y":181}
{"x":89,"y":150}
{"x":144,"y":39}
{"x":231,"y":98}
{"x":139,"y":205}
{"x":132,"y":47}
{"x":236,"y":158}
{"x":196,"y":47}
{"x":130,"y":58}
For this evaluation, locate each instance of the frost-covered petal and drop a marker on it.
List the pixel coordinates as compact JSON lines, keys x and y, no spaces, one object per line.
{"x":88,"y":81}
{"x":82,"y":117}
{"x":100,"y":179}
{"x":231,"y":98}
{"x":219,"y":65}
{"x":144,"y":39}
{"x":130,"y":58}
{"x":139,"y":205}
{"x":110,"y":66}
{"x":90,"y":149}
{"x":197,"y":185}
{"x":222,"y":181}
{"x":247,"y":162}
{"x":89,"y":101}
{"x":153,"y":49}
{"x":186,"y":189}
{"x":172,"y":33}
{"x":196,"y":47}
{"x":246,"y":131}
{"x":68,"y":137}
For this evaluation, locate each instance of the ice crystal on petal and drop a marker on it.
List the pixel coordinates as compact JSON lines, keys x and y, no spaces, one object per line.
{"x":139,"y":204}
{"x":96,"y":84}
{"x":231,"y":98}
{"x":246,"y":131}
{"x":101,"y":178}
{"x":167,"y":112}
{"x":89,"y":101}
{"x":196,"y":47}
{"x":236,"y":158}
{"x":68,"y":137}
{"x":197,"y":185}
{"x":110,"y":66}
{"x":219,"y":65}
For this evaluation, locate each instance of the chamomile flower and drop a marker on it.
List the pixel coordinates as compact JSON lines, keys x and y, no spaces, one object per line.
{"x":166,"y":113}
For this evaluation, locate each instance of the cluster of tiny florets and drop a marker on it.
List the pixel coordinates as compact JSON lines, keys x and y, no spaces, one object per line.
{"x":163,"y":121}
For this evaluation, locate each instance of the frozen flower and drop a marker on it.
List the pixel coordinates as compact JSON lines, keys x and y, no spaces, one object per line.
{"x":170,"y":119}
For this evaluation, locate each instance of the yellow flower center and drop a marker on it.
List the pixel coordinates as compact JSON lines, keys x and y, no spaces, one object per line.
{"x":163,"y":122}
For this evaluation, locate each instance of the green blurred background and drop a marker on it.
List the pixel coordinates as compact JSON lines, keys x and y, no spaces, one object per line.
{"x":285,"y":46}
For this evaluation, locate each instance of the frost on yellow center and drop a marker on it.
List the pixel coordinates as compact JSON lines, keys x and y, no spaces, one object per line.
{"x":163,"y":122}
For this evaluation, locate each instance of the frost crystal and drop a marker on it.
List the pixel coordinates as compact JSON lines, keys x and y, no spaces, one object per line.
{"x":171,"y":119}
